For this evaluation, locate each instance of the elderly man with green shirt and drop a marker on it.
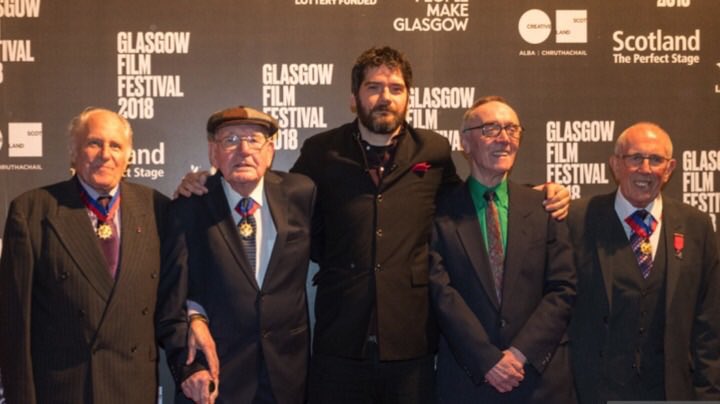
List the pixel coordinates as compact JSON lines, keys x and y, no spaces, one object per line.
{"x":502,"y":276}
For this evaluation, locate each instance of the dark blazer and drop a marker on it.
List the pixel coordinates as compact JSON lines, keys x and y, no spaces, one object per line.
{"x":538,"y":293}
{"x":72,"y":335}
{"x":371,"y":242}
{"x":204,"y":249}
{"x":692,"y":314}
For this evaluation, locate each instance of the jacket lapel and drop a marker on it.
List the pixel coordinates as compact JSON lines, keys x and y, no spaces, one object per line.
{"x":406,"y":151}
{"x":133,"y":218}
{"x":613,"y":246}
{"x":517,"y":238}
{"x":278,"y":204}
{"x":471,"y":238}
{"x":671,"y":225}
{"x":217,"y":208}
{"x":74,"y":230}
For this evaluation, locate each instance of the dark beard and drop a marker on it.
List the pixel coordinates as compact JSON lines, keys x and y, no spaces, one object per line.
{"x":379,"y":126}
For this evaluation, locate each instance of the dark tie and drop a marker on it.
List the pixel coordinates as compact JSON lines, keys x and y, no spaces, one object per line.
{"x":495,"y":244}
{"x":640,"y":239}
{"x":247,"y":227}
{"x":110,"y":245}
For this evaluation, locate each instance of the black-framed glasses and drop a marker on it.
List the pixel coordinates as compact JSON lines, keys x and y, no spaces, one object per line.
{"x":636,"y":160}
{"x":493,"y":129}
{"x":254,"y":142}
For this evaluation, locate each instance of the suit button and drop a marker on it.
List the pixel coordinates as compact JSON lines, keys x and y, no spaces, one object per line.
{"x":380,"y":197}
{"x":266,"y":334}
{"x":154,"y":275}
{"x":641,"y":331}
{"x":145,"y":311}
{"x":64,"y":275}
{"x":133,"y":349}
{"x":503,"y":323}
{"x":379,"y":232}
{"x":378,"y":268}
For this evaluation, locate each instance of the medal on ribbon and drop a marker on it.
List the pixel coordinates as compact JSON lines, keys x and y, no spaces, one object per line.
{"x":246,"y":229}
{"x":104,"y":231}
{"x":105,"y":216}
{"x":246,"y":208}
{"x":646,"y":247}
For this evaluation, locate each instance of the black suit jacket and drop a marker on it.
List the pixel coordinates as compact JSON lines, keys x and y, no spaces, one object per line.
{"x":372,"y":241}
{"x":538,"y":292}
{"x":71,"y":333}
{"x":203,"y":250}
{"x":692,"y":309}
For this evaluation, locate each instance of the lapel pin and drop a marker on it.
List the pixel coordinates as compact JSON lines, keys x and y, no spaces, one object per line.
{"x":679,"y":244}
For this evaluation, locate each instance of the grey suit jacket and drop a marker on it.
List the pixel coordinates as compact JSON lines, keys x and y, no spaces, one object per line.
{"x":692,"y":314}
{"x":538,"y":292}
{"x":72,"y":334}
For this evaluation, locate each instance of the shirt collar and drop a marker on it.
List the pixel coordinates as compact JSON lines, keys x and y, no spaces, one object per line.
{"x":233,"y":197}
{"x":624,"y":208}
{"x":92,"y":193}
{"x":478,"y":190}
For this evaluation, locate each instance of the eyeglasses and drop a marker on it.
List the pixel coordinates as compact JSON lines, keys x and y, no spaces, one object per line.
{"x":493,"y":129}
{"x":636,"y":160}
{"x":254,"y":142}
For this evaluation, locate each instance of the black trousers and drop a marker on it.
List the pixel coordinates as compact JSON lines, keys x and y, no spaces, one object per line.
{"x":336,"y":380}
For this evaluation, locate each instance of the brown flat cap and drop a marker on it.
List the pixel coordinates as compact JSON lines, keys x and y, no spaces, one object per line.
{"x":241,"y":115}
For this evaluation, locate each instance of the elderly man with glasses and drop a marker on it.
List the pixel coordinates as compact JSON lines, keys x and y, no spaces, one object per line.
{"x":502,"y":277}
{"x":647,"y":321}
{"x":242,"y":252}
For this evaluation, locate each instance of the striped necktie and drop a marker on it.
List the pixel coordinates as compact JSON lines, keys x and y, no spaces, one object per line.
{"x":640,"y":239}
{"x":495,"y":243}
{"x":247,"y":228}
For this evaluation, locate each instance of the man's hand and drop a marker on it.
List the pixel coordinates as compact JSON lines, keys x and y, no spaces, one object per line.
{"x":200,"y":387}
{"x":557,"y":199}
{"x":506,"y":374}
{"x":192,"y":184}
{"x":200,"y":337}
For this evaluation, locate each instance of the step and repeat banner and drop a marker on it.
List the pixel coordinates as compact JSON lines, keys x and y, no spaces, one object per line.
{"x":577,"y":72}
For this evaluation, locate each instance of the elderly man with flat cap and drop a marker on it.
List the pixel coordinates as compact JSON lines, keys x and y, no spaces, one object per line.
{"x":242,"y":250}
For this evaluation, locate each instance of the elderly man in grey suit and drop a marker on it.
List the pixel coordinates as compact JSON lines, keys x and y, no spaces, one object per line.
{"x":79,"y":276}
{"x":647,"y":321}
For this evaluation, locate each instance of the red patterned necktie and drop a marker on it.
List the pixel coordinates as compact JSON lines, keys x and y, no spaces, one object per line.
{"x":495,"y":243}
{"x":640,"y":239}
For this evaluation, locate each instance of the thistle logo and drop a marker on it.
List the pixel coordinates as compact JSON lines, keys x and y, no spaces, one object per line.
{"x":25,"y":139}
{"x":535,"y":26}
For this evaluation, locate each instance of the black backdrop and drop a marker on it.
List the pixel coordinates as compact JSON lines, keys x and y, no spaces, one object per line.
{"x":577,"y":72}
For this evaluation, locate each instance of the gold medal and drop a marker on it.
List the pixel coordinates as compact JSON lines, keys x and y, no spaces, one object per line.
{"x":646,"y":247}
{"x":104,"y":231}
{"x":246,"y":229}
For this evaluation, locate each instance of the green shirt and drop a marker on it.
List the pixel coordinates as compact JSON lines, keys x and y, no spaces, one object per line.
{"x":477,"y":190}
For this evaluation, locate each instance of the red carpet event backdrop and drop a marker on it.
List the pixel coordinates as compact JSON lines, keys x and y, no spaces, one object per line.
{"x":578,"y":73}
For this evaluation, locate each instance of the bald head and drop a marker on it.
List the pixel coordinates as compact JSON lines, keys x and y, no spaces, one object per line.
{"x":644,"y":130}
{"x":642,"y":162}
